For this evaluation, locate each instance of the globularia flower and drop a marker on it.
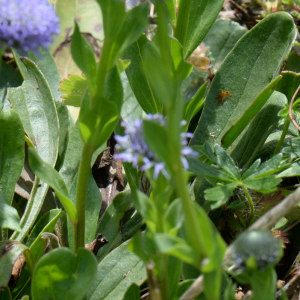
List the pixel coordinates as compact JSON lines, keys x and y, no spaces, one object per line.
{"x":137,"y":152}
{"x":27,"y":24}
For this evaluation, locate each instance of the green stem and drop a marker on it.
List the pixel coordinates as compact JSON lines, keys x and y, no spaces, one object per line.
{"x":250,"y":202}
{"x":82,"y":183}
{"x":103,"y":68}
{"x":282,"y":137}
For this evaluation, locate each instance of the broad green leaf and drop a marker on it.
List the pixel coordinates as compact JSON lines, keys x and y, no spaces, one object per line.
{"x":221,"y":38}
{"x":8,"y":78}
{"x":197,"y":167}
{"x":137,"y":77}
{"x":293,"y":171}
{"x":252,"y":111}
{"x":220,"y":194}
{"x":12,"y":152}
{"x":177,"y":247}
{"x":263,"y":185}
{"x":63,"y":274}
{"x":247,"y":146}
{"x":289,"y":84}
{"x":194,"y":19}
{"x":130,"y":108}
{"x":84,"y":57}
{"x":293,"y":148}
{"x":195,"y":104}
{"x":226,"y":162}
{"x":293,"y":62}
{"x":269,"y":167}
{"x":9,"y":217}
{"x":239,"y":76}
{"x":49,"y":175}
{"x":73,"y":89}
{"x":5,"y":292}
{"x":110,"y":225}
{"x":35,"y":105}
{"x":45,"y":62}
{"x":9,"y":252}
{"x":115,"y":273}
{"x":133,"y":293}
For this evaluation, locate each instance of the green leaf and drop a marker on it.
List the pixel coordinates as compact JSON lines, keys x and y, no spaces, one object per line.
{"x":121,"y":29}
{"x":133,"y":293}
{"x":263,"y":185}
{"x":195,"y":104}
{"x":9,"y":252}
{"x":289,"y":84}
{"x":248,"y":145}
{"x":35,"y":105}
{"x":269,"y":167}
{"x":45,"y":62}
{"x":73,"y":89}
{"x":69,"y":173}
{"x":12,"y":152}
{"x":9,"y":217}
{"x":49,"y":175}
{"x":137,"y":77}
{"x":194,"y":19}
{"x":181,"y":67}
{"x":45,"y":224}
{"x":61,"y":273}
{"x":220,"y":194}
{"x":174,"y":217}
{"x":8,"y":78}
{"x":177,"y":247}
{"x":64,"y":129}
{"x":226,"y":162}
{"x":293,"y":171}
{"x":97,"y":124}
{"x":111,"y":222}
{"x":84,"y":57}
{"x":221,"y":38}
{"x":293,"y":148}
{"x":156,"y":136}
{"x":245,"y":78}
{"x":115,"y":273}
{"x":197,"y":167}
{"x":252,"y":111}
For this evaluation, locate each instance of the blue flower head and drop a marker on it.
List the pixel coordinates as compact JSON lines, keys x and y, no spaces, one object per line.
{"x":27,"y":24}
{"x":136,"y":151}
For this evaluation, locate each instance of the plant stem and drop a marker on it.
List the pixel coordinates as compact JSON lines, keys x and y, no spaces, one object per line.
{"x":82,"y":182}
{"x":250,"y":202}
{"x":282,"y":137}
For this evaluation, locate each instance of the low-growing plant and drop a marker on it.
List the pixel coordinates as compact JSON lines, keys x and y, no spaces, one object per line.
{"x":196,"y":162}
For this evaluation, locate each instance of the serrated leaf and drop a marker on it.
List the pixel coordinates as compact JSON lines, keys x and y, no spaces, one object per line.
{"x":263,"y":185}
{"x":73,"y":89}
